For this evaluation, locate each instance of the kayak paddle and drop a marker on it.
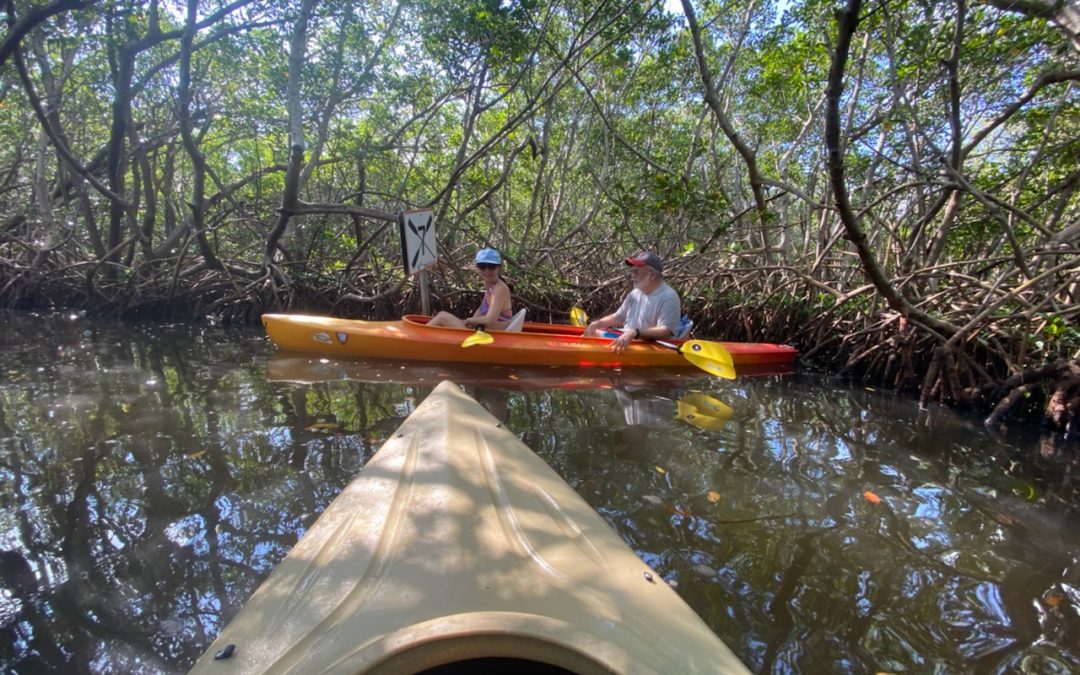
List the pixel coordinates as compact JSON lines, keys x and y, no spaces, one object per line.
{"x":478,"y":338}
{"x":712,"y":357}
{"x":578,"y":317}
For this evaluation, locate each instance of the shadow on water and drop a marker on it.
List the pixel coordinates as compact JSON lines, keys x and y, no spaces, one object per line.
{"x":153,"y":475}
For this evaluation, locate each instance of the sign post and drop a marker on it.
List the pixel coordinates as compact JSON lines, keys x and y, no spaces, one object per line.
{"x":418,"y":249}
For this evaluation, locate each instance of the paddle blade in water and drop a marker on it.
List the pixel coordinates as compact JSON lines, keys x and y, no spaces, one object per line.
{"x":478,"y":338}
{"x":712,"y":357}
{"x":578,"y":317}
{"x":703,"y":411}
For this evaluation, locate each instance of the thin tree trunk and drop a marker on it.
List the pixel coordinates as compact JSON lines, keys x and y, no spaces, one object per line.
{"x":198,"y":186}
{"x":290,"y":196}
{"x":749,"y":156}
{"x":848,"y":23}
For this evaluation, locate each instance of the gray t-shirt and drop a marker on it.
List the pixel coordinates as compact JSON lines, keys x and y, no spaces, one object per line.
{"x":659,"y":308}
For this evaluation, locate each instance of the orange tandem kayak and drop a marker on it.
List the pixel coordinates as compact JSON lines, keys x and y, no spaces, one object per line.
{"x":540,"y":344}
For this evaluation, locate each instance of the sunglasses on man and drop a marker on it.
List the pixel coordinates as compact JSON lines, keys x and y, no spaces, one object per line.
{"x":486,"y":266}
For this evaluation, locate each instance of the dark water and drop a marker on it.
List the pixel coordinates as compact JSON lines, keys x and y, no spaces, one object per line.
{"x":153,"y":475}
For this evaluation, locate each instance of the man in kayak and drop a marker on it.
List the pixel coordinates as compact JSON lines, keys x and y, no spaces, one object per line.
{"x":650,"y":311}
{"x":495,"y":309}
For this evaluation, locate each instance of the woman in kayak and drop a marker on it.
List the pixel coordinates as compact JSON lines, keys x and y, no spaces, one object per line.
{"x":495,"y":310}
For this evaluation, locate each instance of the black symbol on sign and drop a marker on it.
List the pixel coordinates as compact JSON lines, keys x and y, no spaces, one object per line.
{"x":421,"y":232}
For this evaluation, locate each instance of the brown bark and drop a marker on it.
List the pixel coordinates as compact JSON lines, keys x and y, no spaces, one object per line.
{"x":1064,"y":13}
{"x":19,"y":28}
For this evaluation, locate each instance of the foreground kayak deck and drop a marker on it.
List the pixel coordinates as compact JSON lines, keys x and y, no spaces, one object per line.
{"x":456,"y":543}
{"x":537,"y":344}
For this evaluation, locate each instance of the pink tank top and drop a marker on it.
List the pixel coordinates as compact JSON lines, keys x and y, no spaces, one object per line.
{"x":503,"y":315}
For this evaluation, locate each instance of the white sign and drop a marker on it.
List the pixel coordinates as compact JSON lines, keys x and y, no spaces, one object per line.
{"x":417,"y":240}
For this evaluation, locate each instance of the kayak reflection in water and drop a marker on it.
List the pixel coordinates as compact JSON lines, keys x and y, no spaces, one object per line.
{"x":645,"y":410}
{"x":651,"y":411}
{"x":496,"y":309}
{"x":650,"y":417}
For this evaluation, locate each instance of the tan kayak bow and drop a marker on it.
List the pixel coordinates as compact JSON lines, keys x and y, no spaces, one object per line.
{"x":457,"y":543}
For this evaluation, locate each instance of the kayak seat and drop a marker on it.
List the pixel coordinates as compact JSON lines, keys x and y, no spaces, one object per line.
{"x":516,"y":321}
{"x":685,"y":325}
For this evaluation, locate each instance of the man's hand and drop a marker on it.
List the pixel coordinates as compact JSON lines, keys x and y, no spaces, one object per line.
{"x":619,"y":346}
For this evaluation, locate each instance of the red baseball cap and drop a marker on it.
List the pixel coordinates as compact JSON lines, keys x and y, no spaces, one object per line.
{"x":647,"y":258}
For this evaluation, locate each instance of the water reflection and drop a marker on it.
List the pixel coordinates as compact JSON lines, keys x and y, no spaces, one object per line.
{"x":302,"y":368}
{"x":153,"y":475}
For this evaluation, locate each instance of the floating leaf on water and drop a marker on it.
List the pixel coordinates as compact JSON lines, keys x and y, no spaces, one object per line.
{"x":324,"y":426}
{"x":676,"y":510}
{"x":660,"y":470}
{"x":871,"y":497}
{"x":1024,"y":490}
{"x":1053,"y":598}
{"x":196,"y":455}
{"x":713,"y":496}
{"x":1005,"y":518}
{"x":512,"y":376}
{"x":652,"y":499}
{"x":705,"y":570}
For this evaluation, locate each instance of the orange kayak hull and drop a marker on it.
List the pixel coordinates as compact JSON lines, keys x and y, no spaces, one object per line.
{"x":537,"y":344}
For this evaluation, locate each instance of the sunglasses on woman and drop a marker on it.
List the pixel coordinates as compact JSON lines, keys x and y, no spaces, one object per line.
{"x":486,"y":266}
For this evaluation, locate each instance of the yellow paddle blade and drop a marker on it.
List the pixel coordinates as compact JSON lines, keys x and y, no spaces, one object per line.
{"x":578,"y":317}
{"x":712,"y":357}
{"x":703,"y":411}
{"x":478,"y":338}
